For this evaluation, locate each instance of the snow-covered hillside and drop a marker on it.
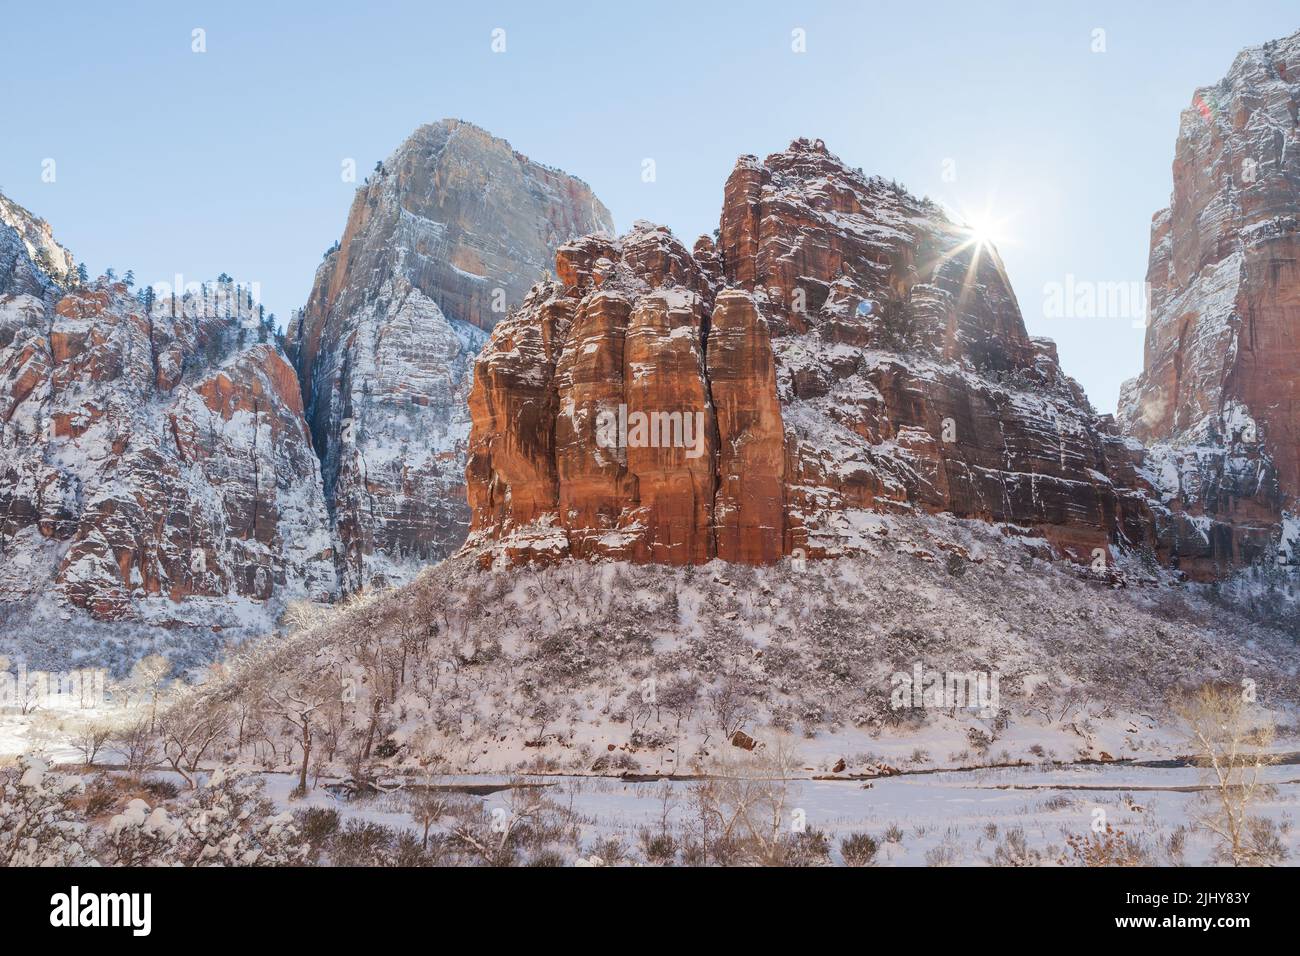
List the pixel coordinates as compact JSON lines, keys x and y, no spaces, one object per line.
{"x":608,"y":666}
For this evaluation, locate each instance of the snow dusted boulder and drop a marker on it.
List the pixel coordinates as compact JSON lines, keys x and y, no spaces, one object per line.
{"x":155,"y":466}
{"x":845,"y":349}
{"x":448,"y":233}
{"x":1219,"y":394}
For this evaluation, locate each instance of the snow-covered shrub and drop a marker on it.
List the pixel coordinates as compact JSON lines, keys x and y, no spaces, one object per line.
{"x":227,"y":821}
{"x":806,"y":848}
{"x":223,"y":822}
{"x":1014,"y":850}
{"x":316,"y":826}
{"x":1265,"y":841}
{"x":1110,"y":847}
{"x":659,"y":847}
{"x":610,"y":851}
{"x":99,"y":796}
{"x":39,"y":823}
{"x":544,"y":859}
{"x":139,"y":836}
{"x":363,"y":843}
{"x":366,"y":843}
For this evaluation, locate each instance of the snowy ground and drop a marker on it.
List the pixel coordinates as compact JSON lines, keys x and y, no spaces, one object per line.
{"x":952,"y":818}
{"x":48,"y":731}
{"x":925,"y":816}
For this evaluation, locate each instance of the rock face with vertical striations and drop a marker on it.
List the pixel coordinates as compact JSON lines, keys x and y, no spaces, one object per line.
{"x":155,"y":466}
{"x":844,"y":348}
{"x":448,"y":234}
{"x":1218,"y":400}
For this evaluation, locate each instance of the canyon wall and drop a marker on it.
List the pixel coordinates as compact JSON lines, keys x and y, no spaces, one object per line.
{"x":445,"y":236}
{"x":155,"y":466}
{"x":1218,"y":400}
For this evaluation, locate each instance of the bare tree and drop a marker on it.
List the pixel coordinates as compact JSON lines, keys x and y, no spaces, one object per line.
{"x":1230,"y":744}
{"x":487,"y":835}
{"x":90,"y":738}
{"x":742,"y":806}
{"x":189,"y":726}
{"x":143,"y":685}
{"x":29,"y":688}
{"x":730,"y":705}
{"x":298,"y":699}
{"x":134,"y":741}
{"x":429,"y":804}
{"x":679,"y":696}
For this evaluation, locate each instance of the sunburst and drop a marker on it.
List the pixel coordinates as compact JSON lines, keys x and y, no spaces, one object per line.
{"x":977,"y":233}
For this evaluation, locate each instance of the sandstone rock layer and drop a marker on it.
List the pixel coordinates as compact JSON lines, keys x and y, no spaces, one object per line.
{"x":846,"y":350}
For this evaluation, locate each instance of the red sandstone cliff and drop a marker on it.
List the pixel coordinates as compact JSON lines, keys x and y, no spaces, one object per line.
{"x":154,"y":465}
{"x":846,"y":350}
{"x":1218,"y":399}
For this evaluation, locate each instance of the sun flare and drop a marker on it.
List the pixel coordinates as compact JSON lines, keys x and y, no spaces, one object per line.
{"x":985,"y":230}
{"x":976,"y":234}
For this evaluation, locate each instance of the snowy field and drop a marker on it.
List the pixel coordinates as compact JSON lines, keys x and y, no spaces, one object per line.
{"x":923,"y":816}
{"x":955,"y":818}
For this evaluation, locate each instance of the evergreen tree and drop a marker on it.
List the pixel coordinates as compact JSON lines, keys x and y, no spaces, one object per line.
{"x":130,"y":278}
{"x":43,"y":261}
{"x":83,"y":274}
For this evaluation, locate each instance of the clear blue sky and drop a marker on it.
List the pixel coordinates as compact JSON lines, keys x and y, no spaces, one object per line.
{"x":170,"y":161}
